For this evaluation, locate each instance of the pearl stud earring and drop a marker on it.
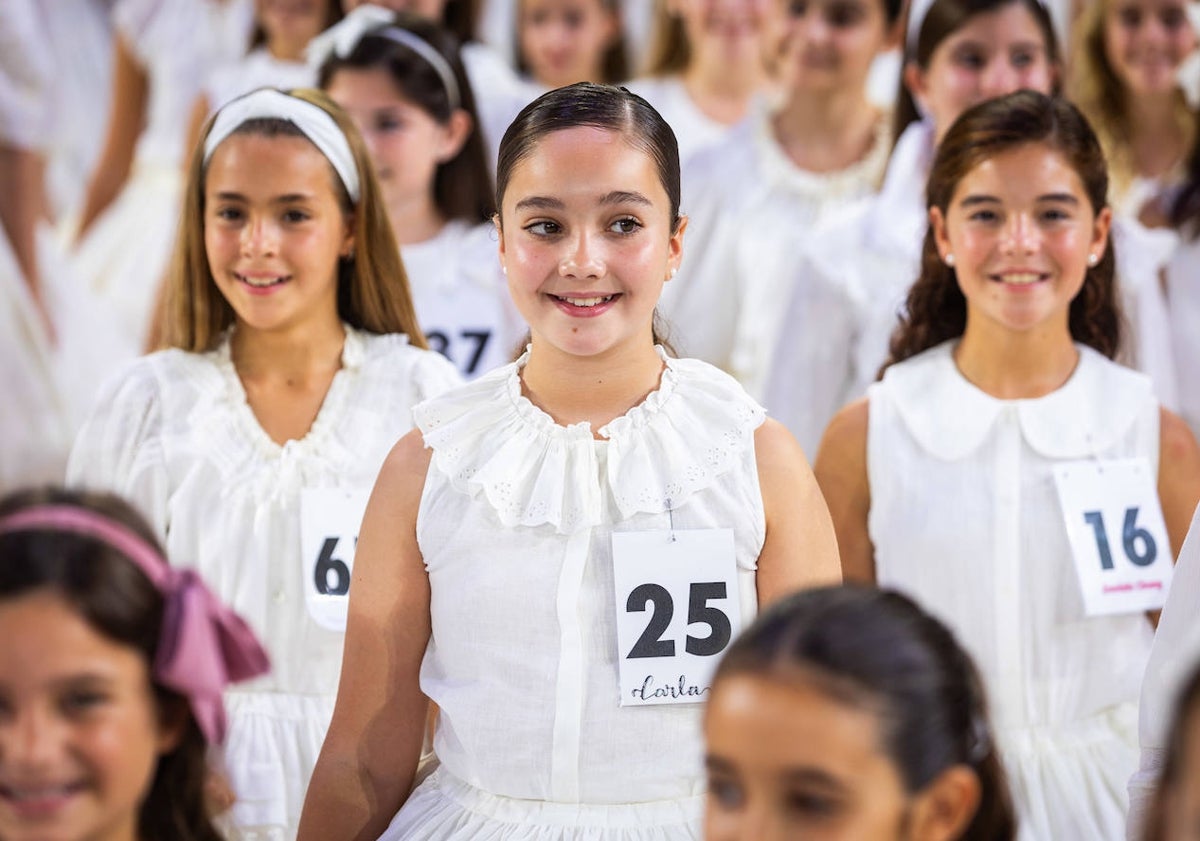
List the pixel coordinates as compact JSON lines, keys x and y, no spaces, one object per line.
{"x":949,"y":260}
{"x":1093,"y":259}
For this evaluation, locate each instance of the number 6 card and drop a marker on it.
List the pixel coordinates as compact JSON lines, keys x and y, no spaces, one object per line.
{"x":678,"y":608}
{"x":329,"y":523}
{"x":1117,"y":533}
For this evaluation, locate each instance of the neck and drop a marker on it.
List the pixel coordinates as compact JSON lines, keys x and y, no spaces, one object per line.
{"x":826,"y":131}
{"x":595,"y":389}
{"x":1012,"y":366}
{"x":286,"y":50}
{"x":294,"y":355}
{"x":1157,"y":141}
{"x":416,"y":220}
{"x":723,"y":90}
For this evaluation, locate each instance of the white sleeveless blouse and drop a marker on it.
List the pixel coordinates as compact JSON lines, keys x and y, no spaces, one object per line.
{"x":965,"y":518}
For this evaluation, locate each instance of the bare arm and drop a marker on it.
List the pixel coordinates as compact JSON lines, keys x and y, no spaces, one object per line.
{"x":1178,"y":477}
{"x":130,"y":94}
{"x":369,"y":757}
{"x":841,"y":472}
{"x":799,"y":550}
{"x":22,"y":205}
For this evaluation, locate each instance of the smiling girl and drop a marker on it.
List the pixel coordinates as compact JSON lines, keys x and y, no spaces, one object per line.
{"x":293,"y":366}
{"x":110,"y":675}
{"x":1000,"y":377}
{"x":502,"y":533}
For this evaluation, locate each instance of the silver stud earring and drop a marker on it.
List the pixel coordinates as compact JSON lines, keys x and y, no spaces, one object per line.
{"x":949,"y":259}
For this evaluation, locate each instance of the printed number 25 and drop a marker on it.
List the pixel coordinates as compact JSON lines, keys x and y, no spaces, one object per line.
{"x":651,"y":643}
{"x":1131,"y":535}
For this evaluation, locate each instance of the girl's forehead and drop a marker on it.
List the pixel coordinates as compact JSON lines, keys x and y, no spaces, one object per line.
{"x":586,"y":159}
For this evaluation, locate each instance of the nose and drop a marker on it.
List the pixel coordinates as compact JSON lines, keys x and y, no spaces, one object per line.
{"x":258,"y":237}
{"x":1021,"y":235}
{"x":29,"y":740}
{"x":999,"y":78}
{"x":582,"y":258}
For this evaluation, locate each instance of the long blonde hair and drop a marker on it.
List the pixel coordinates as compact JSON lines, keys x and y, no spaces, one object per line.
{"x":373,"y":292}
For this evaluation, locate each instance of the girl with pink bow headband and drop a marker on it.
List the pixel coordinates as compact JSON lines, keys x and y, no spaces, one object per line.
{"x":111,"y":675}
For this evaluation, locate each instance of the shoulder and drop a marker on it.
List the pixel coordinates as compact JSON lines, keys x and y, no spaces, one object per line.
{"x":155,"y":376}
{"x":846,"y":435}
{"x":391,"y":355}
{"x":1176,"y":442}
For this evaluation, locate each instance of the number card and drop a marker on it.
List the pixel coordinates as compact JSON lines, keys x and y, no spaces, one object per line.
{"x":1117,"y":533}
{"x":329,"y":523}
{"x":677,"y":610}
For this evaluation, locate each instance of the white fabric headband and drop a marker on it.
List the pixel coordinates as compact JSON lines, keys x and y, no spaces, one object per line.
{"x":917,"y":10}
{"x":316,"y":124}
{"x":341,"y":39}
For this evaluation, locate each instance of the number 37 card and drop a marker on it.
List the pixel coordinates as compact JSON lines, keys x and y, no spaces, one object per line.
{"x":678,"y":608}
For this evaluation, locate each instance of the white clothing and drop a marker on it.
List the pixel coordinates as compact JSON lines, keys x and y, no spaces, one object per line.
{"x":461,"y":298}
{"x":1183,"y":297}
{"x":965,"y":519}
{"x":257,"y":69}
{"x":515,"y":527}
{"x":1173,"y":657}
{"x":751,"y":212}
{"x":499,"y":95}
{"x":175,"y":435}
{"x":124,"y":254}
{"x":26,"y":75}
{"x":694,"y":130}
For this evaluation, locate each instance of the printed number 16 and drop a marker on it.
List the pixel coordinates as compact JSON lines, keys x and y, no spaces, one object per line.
{"x":1131,"y":534}
{"x":651,"y":643}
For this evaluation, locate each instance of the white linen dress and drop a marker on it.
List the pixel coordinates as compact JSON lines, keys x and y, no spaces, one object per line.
{"x":515,"y":527}
{"x":175,"y":435}
{"x":966,"y":520}
{"x":694,"y":130}
{"x":461,"y":297}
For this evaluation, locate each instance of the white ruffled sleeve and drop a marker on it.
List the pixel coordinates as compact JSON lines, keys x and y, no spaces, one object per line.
{"x":120,"y":447}
{"x":1175,"y":653}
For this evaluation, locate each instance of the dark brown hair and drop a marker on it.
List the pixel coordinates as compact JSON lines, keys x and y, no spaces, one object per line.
{"x":372,"y":289}
{"x":936,"y":309}
{"x":462,"y":186}
{"x":943,"y":19}
{"x":119,"y":602}
{"x":876,"y":649}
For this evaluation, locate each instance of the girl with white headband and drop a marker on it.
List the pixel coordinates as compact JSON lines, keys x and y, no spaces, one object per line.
{"x":861,"y":263}
{"x":400,"y":79}
{"x":294,"y":360}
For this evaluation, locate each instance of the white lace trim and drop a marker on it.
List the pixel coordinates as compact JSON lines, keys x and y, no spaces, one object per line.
{"x":491,"y":442}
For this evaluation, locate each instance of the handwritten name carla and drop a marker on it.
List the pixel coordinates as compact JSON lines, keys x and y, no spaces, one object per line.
{"x":648,"y":691}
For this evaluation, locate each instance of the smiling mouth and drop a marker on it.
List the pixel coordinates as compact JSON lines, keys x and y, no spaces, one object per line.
{"x":585,"y":302}
{"x":1020,"y":278}
{"x":262,"y":282}
{"x":39,"y":800}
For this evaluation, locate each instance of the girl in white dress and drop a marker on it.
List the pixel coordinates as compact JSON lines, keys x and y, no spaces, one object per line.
{"x":942,"y":482}
{"x":754,"y":198}
{"x":499,"y":532}
{"x":707,"y":66}
{"x":850,"y":283}
{"x":294,"y":362}
{"x":403,"y":84}
{"x":849,"y":712}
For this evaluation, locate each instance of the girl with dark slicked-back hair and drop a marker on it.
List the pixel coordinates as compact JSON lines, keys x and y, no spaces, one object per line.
{"x":90,"y":675}
{"x":292,"y":364}
{"x":489,"y":572}
{"x":401,"y":80}
{"x":860,"y":264}
{"x":1000,"y":373}
{"x":918,"y":760}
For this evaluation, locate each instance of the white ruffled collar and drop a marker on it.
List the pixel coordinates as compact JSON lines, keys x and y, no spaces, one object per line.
{"x":950,"y":417}
{"x":494,"y":444}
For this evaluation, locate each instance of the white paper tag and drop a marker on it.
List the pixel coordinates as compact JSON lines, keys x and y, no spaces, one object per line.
{"x":678,"y":608}
{"x":1117,"y":533}
{"x":329,"y":523}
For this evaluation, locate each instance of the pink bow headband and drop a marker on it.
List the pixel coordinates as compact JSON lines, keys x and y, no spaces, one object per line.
{"x":203,"y":646}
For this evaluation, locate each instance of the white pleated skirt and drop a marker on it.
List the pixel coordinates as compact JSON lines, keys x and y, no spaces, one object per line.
{"x":444,"y":807}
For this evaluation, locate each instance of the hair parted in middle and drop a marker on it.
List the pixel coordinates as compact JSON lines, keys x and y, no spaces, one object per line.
{"x":372,"y":291}
{"x":936,"y":309}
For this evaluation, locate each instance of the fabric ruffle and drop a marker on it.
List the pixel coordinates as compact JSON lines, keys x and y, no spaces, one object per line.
{"x":492,"y":442}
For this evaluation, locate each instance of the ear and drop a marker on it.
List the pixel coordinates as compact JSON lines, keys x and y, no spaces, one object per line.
{"x":455,"y":134}
{"x":675,"y":247}
{"x":941,"y":236}
{"x":500,"y":240}
{"x":347,"y":247}
{"x":914,"y":80}
{"x":1100,"y":231}
{"x":174,"y":718}
{"x":945,"y":807}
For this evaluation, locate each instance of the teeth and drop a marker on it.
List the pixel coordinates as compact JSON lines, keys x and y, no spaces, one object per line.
{"x":1021,"y":279}
{"x":587,"y":302}
{"x":261,"y":283}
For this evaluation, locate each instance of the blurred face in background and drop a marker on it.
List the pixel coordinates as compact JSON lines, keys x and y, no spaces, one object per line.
{"x":829,"y":45}
{"x":564,"y":41}
{"x":1145,"y":41}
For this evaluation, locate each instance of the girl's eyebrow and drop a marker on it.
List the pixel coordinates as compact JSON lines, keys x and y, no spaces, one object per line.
{"x":540,"y":203}
{"x":624,"y":197}
{"x":1067,"y":198}
{"x":287,"y":198}
{"x":615,"y":197}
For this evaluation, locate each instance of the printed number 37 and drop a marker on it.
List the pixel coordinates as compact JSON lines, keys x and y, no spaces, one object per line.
{"x":651,"y":643}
